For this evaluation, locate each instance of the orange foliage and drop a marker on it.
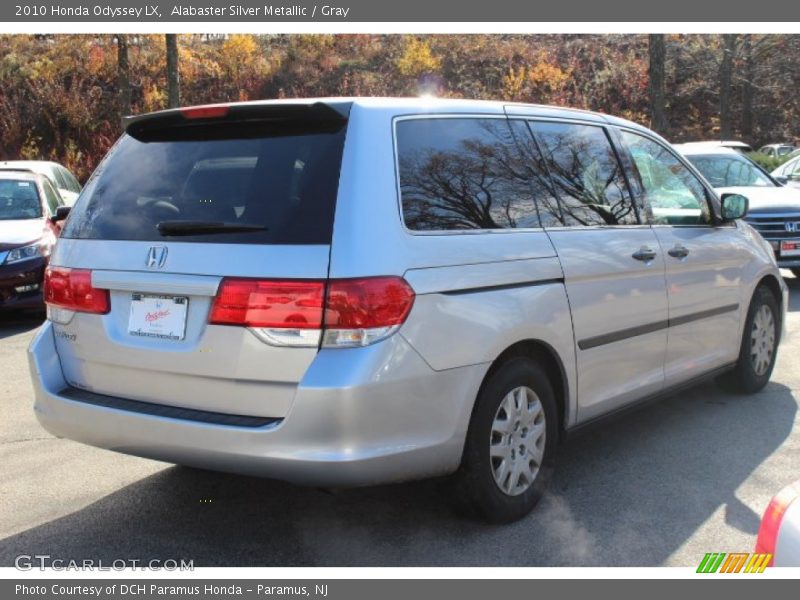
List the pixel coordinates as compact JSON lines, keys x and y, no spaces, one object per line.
{"x":59,"y":93}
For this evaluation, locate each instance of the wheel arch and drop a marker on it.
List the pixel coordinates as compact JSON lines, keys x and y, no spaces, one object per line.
{"x":771,"y":282}
{"x":544,"y":354}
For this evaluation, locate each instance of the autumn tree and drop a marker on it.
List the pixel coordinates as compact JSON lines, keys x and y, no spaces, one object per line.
{"x":173,"y":73}
{"x":748,"y":88}
{"x":123,"y":75}
{"x":61,"y":96}
{"x":656,"y":85}
{"x":726,"y":86}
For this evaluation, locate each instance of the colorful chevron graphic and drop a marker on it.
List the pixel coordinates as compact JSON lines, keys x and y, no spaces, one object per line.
{"x":735,"y":562}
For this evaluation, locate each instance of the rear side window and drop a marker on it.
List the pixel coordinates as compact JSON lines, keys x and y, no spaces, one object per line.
{"x":69,"y":179}
{"x":58,"y":178}
{"x":586,"y":174}
{"x":268,"y":187}
{"x":462,"y":174}
{"x":51,"y":196}
{"x":730,"y":170}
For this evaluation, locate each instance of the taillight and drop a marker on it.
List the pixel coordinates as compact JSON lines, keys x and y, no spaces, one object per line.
{"x":771,"y":521}
{"x":359,"y":312}
{"x":267,"y":303}
{"x":352,"y":312}
{"x":72,"y":289}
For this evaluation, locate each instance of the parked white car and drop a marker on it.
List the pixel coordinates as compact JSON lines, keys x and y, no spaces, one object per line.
{"x":736,"y":145}
{"x":62,"y":179}
{"x":774,"y":209}
{"x":789,"y":172}
{"x":777,"y":150}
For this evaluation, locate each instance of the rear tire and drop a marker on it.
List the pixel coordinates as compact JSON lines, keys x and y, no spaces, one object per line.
{"x":508,"y":456}
{"x":759,"y":346}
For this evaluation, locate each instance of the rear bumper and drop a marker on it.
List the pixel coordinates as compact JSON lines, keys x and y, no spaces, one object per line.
{"x":789,"y":263}
{"x":360,"y":416}
{"x":22,"y":274}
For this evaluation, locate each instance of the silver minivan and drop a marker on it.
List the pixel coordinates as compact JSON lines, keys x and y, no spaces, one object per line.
{"x":344,"y":292}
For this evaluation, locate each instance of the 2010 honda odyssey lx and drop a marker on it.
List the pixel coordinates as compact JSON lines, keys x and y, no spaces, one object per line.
{"x":349,"y":292}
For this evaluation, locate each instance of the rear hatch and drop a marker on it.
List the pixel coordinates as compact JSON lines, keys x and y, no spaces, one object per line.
{"x":187,"y":211}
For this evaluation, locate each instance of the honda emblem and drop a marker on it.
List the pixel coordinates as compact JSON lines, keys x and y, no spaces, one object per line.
{"x":156,"y":257}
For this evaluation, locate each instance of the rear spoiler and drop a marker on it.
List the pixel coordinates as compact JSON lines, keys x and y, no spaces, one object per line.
{"x":199,"y":122}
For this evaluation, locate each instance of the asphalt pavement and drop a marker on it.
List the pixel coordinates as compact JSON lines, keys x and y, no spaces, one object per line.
{"x":658,"y":487}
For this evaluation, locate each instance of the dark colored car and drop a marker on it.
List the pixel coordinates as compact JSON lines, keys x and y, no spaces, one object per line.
{"x":27,"y":235}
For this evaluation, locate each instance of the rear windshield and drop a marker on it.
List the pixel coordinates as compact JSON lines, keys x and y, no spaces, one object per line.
{"x":19,"y":200}
{"x":730,"y":170}
{"x":264,"y":189}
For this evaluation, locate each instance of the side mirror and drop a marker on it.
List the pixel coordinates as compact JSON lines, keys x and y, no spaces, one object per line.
{"x":734,"y":206}
{"x":61,"y":213}
{"x":782,"y":179}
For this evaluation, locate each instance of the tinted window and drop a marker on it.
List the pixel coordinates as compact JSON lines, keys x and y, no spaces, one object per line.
{"x":729,"y":170}
{"x":675,"y":196}
{"x":19,"y":200}
{"x":69,"y":179}
{"x":282,"y":186}
{"x":55,"y":176}
{"x":533,"y":166}
{"x":586,"y":174}
{"x":464,"y":173}
{"x":51,"y":196}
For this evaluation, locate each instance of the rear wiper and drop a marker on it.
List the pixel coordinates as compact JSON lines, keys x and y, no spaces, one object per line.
{"x":199,"y":227}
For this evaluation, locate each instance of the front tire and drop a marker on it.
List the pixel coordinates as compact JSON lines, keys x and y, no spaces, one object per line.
{"x":758,"y":348}
{"x":510,"y":444}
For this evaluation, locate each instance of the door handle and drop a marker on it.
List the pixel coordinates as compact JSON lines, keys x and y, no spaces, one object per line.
{"x":679,"y":252}
{"x":644,"y":254}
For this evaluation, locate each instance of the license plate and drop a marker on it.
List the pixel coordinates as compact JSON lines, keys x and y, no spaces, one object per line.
{"x":158,"y":316}
{"x":790,"y":248}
